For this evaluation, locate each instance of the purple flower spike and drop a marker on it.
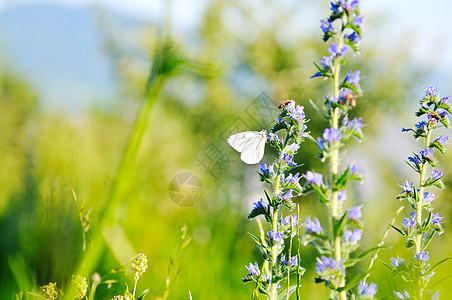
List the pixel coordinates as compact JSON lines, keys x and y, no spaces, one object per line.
{"x":407,"y":188}
{"x":327,"y":26}
{"x":427,"y":153}
{"x":367,"y":290}
{"x":313,"y":178}
{"x":324,"y":264}
{"x":436,"y":219}
{"x":294,"y":261}
{"x":332,"y":135}
{"x":352,"y":78}
{"x":335,"y":51}
{"x":436,"y":174}
{"x":312,"y":226}
{"x":395,"y":262}
{"x":431,"y":91}
{"x":266,"y":170}
{"x":442,"y":140}
{"x":355,"y":213}
{"x":276,"y":237}
{"x":254,"y":269}
{"x":423,"y":256}
{"x":327,"y":62}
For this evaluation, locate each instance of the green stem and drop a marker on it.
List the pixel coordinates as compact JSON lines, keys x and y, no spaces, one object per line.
{"x":274,"y":249}
{"x":418,"y":239}
{"x":335,"y":162}
{"x":134,"y":289}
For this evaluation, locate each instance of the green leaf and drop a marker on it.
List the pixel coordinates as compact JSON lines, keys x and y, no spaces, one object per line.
{"x":396,"y":229}
{"x":339,"y":225}
{"x":432,"y":268}
{"x":269,"y":198}
{"x":318,"y":110}
{"x":143,"y":294}
{"x":352,"y":283}
{"x":445,"y":122}
{"x":287,"y":292}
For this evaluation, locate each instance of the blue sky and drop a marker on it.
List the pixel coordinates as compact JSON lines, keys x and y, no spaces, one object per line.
{"x":424,"y":27}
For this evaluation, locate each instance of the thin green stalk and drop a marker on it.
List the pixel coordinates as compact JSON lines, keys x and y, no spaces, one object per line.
{"x":418,"y":239}
{"x":289,"y":255}
{"x":134,"y":289}
{"x":335,"y":162}
{"x":299,"y":258}
{"x":274,"y":249}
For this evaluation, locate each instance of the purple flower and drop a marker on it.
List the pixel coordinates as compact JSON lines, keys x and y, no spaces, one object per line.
{"x":353,"y":236}
{"x":259,"y":205}
{"x":354,"y":168}
{"x":352,"y":78}
{"x":358,"y":20}
{"x":332,"y":135}
{"x":335,"y":51}
{"x":436,"y":174}
{"x":290,"y":179}
{"x":276,"y":237}
{"x":283,"y":260}
{"x":352,"y":36}
{"x":324,"y":263}
{"x":287,"y":195}
{"x":431,"y":91}
{"x":312,"y":226}
{"x":423,"y":256}
{"x":397,"y":261}
{"x":296,"y":113}
{"x":327,"y":26}
{"x":274,"y":137}
{"x":336,"y":7}
{"x":404,"y":296}
{"x":445,"y":100}
{"x":415,"y":160}
{"x":436,"y":219}
{"x":327,"y":62}
{"x":254,"y":269}
{"x":367,"y":290}
{"x":341,"y":196}
{"x":320,"y":144}
{"x":442,"y":112}
{"x":427,"y":152}
{"x":266,"y":170}
{"x":313,"y":178}
{"x":442,"y":140}
{"x":355,"y":213}
{"x":294,"y":261}
{"x":409,"y":223}
{"x":407,"y":188}
{"x":293,"y":147}
{"x":289,"y":159}
{"x":358,"y":123}
{"x":428,"y":197}
{"x":420,"y":125}
{"x":288,"y":220}
{"x":405,"y":129}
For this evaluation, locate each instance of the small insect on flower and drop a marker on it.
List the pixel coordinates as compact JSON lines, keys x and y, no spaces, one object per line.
{"x":350,"y":100}
{"x":284,"y":104}
{"x":250,"y":144}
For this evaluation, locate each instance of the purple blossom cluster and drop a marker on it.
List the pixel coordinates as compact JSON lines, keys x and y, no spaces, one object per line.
{"x":423,"y":223}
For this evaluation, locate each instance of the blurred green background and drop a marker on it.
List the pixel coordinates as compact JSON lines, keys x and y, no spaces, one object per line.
{"x":111,"y":108}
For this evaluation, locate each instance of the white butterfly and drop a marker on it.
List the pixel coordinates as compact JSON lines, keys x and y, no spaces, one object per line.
{"x":250,"y":144}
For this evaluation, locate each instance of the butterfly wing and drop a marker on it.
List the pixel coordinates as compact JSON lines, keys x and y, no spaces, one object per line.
{"x":239,"y":140}
{"x":253,"y":150}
